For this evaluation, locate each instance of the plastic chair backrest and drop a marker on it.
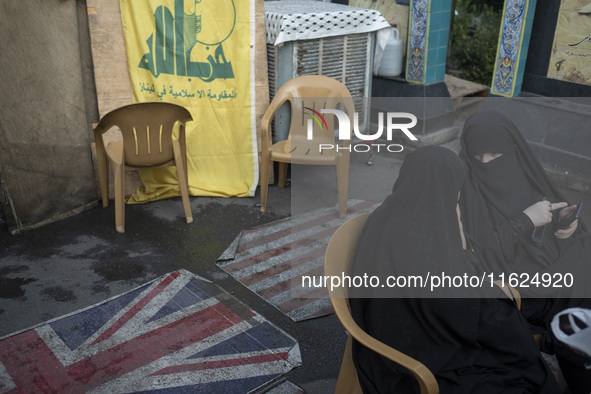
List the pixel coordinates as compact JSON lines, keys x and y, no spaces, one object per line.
{"x":338,"y":260}
{"x":307,"y":94}
{"x":147,"y":130}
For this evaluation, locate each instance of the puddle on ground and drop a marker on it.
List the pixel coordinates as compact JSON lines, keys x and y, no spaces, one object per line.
{"x":59,"y":294}
{"x":119,"y":270}
{"x":13,"y":287}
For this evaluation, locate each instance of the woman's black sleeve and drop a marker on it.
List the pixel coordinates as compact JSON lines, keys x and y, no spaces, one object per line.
{"x":509,"y":234}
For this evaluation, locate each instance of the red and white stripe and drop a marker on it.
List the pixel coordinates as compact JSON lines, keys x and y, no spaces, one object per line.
{"x":272,"y":259}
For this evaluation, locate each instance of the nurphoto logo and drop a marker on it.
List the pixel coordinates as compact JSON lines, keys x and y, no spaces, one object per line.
{"x":344,"y":130}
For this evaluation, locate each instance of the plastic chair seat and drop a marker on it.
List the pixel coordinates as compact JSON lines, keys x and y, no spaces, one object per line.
{"x":286,"y":152}
{"x":338,"y":261}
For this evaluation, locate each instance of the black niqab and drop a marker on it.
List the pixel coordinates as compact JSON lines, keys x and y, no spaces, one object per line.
{"x":501,"y":189}
{"x":511,"y":182}
{"x":417,"y":225}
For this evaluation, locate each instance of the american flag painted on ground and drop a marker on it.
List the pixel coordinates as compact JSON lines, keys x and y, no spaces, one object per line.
{"x":270,"y":260}
{"x":178,"y":333}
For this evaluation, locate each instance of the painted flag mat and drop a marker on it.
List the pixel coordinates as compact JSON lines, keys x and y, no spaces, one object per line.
{"x":273,"y":259}
{"x":177,"y":333}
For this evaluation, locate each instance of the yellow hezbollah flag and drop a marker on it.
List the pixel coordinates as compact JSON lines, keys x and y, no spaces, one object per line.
{"x":199,"y":54}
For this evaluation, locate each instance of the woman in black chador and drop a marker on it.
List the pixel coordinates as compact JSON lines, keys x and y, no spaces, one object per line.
{"x":471,"y":345}
{"x":512,"y":212}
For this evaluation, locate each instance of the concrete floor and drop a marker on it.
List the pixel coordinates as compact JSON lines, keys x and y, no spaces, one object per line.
{"x":79,"y":261}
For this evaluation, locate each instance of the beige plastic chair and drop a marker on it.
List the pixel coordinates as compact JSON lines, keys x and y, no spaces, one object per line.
{"x":148,"y":142}
{"x":316,"y":92}
{"x":338,"y":259}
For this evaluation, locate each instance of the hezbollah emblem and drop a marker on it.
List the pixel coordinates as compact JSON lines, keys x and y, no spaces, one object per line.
{"x":180,"y":37}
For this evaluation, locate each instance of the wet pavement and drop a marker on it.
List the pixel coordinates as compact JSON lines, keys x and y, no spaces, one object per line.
{"x":76,"y":262}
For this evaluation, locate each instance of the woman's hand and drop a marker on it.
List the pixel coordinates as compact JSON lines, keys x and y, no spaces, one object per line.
{"x":541,"y":212}
{"x":567,"y":231}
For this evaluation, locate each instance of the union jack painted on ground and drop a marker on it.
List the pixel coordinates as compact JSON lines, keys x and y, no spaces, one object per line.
{"x":270,"y":260}
{"x":178,"y":333}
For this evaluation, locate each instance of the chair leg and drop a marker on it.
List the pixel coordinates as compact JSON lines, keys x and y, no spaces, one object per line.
{"x":265,"y":164}
{"x":348,"y":382}
{"x":181,"y":169}
{"x":343,"y":184}
{"x":119,"y":181}
{"x":103,"y":172}
{"x":282,"y":175}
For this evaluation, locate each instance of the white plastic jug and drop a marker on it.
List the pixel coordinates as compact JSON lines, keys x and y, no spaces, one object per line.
{"x":391,"y":63}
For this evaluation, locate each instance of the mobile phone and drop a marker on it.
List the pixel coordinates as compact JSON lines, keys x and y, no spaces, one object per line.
{"x":566,"y":221}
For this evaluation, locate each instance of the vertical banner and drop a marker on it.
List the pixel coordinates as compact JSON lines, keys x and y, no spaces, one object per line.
{"x":198,"y":54}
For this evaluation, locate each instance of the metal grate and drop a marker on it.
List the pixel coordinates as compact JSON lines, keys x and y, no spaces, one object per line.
{"x":272,"y":65}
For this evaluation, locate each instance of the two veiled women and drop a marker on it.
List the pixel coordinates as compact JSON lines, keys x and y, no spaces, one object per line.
{"x":471,"y":344}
